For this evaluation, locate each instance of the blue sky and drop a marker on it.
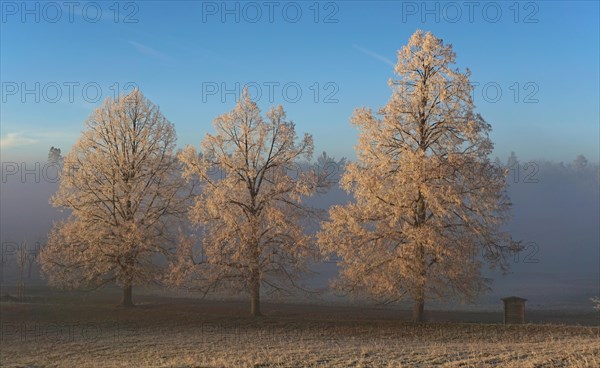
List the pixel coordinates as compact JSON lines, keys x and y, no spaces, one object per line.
{"x":176,"y":51}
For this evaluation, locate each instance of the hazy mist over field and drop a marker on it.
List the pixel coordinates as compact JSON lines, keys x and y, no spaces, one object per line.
{"x":556,"y":213}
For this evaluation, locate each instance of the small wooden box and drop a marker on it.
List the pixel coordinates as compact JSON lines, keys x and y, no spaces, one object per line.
{"x":514,"y":310}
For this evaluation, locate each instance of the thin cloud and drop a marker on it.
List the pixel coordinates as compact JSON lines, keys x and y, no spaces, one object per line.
{"x":374,"y":55}
{"x":15,"y":140}
{"x":149,"y":51}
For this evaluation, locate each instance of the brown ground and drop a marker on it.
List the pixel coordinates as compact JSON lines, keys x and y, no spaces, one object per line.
{"x":71,"y":331}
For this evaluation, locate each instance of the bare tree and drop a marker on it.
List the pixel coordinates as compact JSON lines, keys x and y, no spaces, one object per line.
{"x":122,"y":183}
{"x":250,"y":210}
{"x":426,"y":195}
{"x":22,"y":261}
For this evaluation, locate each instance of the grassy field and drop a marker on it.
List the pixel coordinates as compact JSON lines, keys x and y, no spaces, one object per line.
{"x":72,"y":331}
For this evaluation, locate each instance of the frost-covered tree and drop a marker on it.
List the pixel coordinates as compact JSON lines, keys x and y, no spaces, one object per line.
{"x":426,"y":196}
{"x":580,"y":162}
{"x":54,"y":156}
{"x":250,"y":210}
{"x":121,"y":183}
{"x":596,"y":302}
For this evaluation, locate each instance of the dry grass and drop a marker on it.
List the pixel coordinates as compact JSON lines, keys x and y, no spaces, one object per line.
{"x":180,"y":333}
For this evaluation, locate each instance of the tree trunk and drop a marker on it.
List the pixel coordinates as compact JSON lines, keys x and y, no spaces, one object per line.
{"x":419,"y":308}
{"x":127,"y":297}
{"x":419,"y":296}
{"x":255,"y":296}
{"x":255,"y":270}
